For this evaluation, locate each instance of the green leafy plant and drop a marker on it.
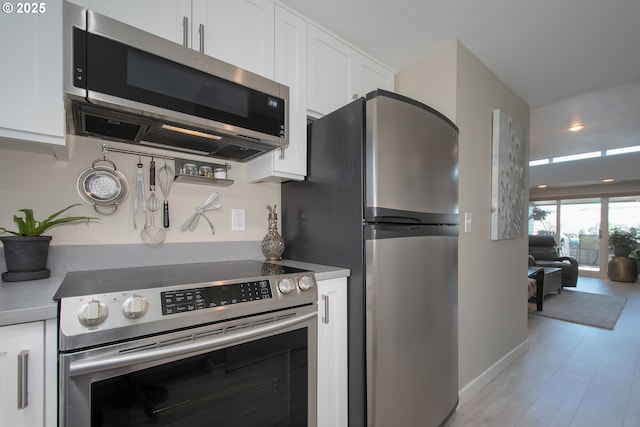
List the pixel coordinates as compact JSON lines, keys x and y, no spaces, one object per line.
{"x":28,"y":226}
{"x":538,"y":214}
{"x":627,"y":239}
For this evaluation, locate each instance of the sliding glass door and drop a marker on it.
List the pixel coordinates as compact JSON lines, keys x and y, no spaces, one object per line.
{"x":580,"y":222}
{"x":581,"y":226}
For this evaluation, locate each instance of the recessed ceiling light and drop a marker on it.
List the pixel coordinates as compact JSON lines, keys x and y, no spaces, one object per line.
{"x":576,"y":127}
{"x":608,"y":180}
{"x":542,"y":186}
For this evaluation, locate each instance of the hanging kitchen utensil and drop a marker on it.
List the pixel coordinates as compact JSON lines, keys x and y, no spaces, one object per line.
{"x":208,"y":205}
{"x":165,"y":180}
{"x":152,"y":234}
{"x":153,"y":204}
{"x":139,"y":195}
{"x":103,"y":186}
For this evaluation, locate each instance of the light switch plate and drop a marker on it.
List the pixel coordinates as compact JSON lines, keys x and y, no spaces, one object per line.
{"x":467,"y":222}
{"x":237,"y":220}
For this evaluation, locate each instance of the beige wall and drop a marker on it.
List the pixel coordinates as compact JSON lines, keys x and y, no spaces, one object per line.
{"x":492,"y":294}
{"x":39,"y":181}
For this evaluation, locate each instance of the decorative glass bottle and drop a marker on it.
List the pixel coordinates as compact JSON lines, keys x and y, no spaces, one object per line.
{"x":273,"y":243}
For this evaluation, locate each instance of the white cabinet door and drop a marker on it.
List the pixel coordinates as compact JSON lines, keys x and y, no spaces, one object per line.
{"x":239,"y":32}
{"x":164,"y":18}
{"x":291,"y":70}
{"x":332,"y":353}
{"x":371,"y":76}
{"x":339,"y":74}
{"x":23,"y":345}
{"x":332,"y":70}
{"x":51,"y":373}
{"x":31,"y":104}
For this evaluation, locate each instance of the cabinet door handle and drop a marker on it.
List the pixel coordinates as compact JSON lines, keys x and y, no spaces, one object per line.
{"x":325,"y":317}
{"x":185,"y":31}
{"x":282,"y":154}
{"x":23,"y":379}
{"x":201,"y":31}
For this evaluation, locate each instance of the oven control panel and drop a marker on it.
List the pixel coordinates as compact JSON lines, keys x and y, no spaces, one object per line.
{"x":180,"y":301}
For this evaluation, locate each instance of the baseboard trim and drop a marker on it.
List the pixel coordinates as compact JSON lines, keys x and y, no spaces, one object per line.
{"x":487,"y":376}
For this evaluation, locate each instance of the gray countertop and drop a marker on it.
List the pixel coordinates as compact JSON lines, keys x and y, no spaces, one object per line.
{"x":31,"y":301}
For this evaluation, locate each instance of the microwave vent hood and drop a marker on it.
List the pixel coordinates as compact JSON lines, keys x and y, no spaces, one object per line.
{"x":110,"y":124}
{"x":126,"y":85}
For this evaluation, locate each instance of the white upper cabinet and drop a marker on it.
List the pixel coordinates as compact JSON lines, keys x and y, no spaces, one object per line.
{"x":164,"y":18}
{"x":339,"y":73}
{"x":240,"y":32}
{"x":331,"y":72}
{"x":31,"y":104}
{"x":290,"y":69}
{"x":371,"y":75}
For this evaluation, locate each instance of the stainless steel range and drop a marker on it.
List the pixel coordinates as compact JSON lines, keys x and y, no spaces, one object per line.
{"x":231,"y":342}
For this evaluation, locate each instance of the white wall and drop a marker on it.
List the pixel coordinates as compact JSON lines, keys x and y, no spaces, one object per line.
{"x":492,"y":274}
{"x":621,"y":168}
{"x":40,"y":182}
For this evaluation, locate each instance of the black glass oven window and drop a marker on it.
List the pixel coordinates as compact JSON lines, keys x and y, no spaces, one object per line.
{"x":262,"y":383}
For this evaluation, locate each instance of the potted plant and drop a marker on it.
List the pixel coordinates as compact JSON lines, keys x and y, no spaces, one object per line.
{"x":623,"y":242}
{"x":27,"y":250}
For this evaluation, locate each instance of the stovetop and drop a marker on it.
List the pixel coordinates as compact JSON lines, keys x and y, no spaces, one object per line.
{"x":101,"y":306}
{"x":78,"y":283}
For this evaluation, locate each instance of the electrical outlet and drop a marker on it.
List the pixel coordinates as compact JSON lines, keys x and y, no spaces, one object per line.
{"x":237,"y":220}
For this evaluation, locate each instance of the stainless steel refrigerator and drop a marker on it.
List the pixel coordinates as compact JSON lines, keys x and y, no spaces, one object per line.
{"x":381,"y":198}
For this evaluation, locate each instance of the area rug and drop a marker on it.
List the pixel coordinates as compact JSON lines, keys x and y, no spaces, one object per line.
{"x":597,"y":310}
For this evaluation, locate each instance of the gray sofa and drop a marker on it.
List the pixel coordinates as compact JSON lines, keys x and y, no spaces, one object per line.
{"x":543,"y":253}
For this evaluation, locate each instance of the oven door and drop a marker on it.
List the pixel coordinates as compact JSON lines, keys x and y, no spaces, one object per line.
{"x":247,"y":372}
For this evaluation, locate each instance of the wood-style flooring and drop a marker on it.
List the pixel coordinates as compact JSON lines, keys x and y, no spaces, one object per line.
{"x":572,"y":375}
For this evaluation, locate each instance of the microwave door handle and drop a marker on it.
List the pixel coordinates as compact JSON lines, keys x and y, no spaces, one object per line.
{"x":185,"y":31}
{"x":118,"y":361}
{"x":201,"y":32}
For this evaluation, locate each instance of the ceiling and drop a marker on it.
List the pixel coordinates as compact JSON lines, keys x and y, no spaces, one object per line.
{"x":569,"y":60}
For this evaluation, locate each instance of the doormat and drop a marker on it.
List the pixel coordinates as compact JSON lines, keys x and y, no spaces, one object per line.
{"x":601,"y":311}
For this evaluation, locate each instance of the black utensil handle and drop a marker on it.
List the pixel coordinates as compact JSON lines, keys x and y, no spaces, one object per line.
{"x":152,"y":175}
{"x":165,"y":215}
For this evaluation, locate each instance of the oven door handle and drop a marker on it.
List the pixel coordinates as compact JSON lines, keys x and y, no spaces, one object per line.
{"x":104,"y":364}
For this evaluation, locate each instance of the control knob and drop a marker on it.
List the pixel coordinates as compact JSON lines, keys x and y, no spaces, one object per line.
{"x":135,"y":307}
{"x":93,"y":313}
{"x":305,"y":283}
{"x":286,"y":285}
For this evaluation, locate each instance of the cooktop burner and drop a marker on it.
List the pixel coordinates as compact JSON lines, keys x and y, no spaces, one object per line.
{"x":91,"y":282}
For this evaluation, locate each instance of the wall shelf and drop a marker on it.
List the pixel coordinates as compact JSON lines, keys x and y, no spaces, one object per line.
{"x":199,"y":177}
{"x":181,"y":175}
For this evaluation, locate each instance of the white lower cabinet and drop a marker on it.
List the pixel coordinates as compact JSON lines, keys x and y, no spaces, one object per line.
{"x":22,"y":362}
{"x":332,"y":353}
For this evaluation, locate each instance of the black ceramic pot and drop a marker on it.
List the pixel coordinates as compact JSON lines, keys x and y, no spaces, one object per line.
{"x":620,"y":250}
{"x":26,"y":257}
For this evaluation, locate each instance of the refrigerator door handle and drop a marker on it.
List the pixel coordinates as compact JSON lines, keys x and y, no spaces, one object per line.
{"x":388,"y":231}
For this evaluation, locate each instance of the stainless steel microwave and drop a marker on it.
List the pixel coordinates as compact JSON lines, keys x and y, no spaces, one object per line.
{"x":127,"y":85}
